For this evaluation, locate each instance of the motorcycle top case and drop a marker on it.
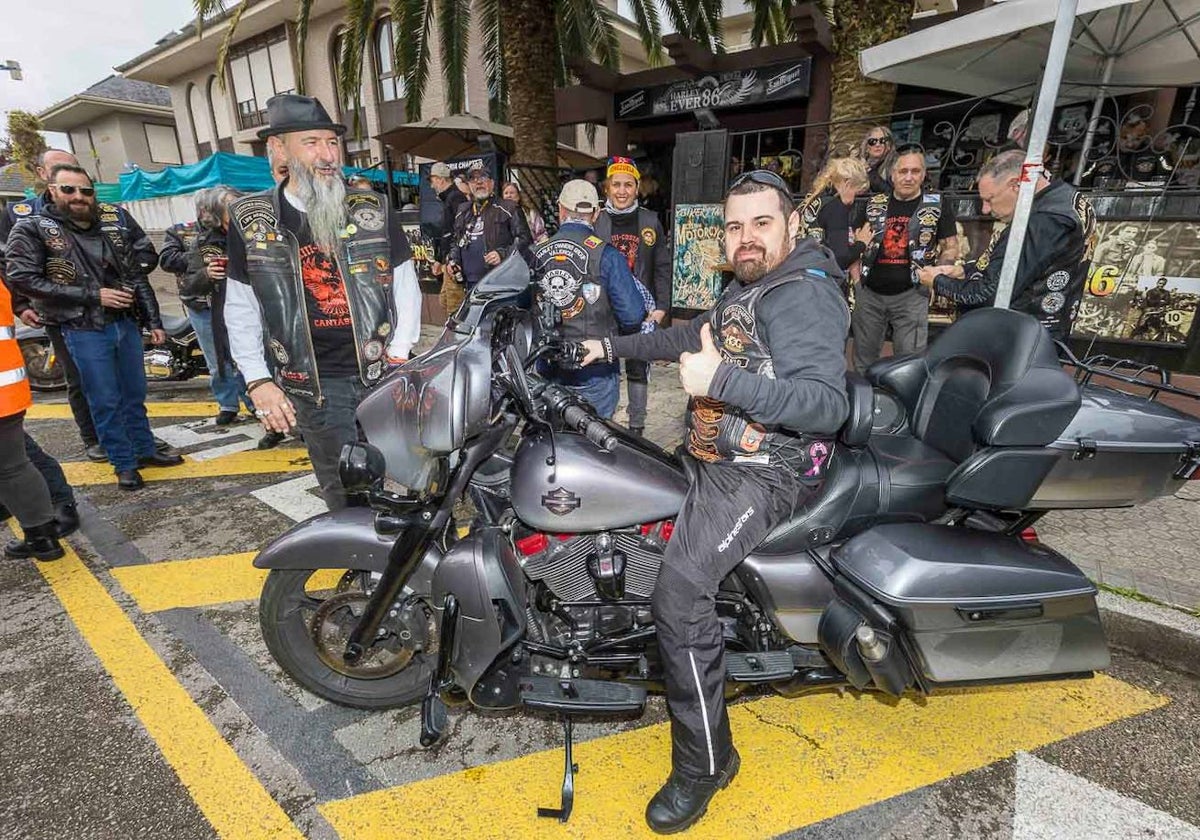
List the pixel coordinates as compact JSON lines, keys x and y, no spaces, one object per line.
{"x":978,"y":606}
{"x":1120,"y":449}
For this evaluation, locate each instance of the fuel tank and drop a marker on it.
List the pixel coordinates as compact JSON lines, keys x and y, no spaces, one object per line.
{"x":587,"y":489}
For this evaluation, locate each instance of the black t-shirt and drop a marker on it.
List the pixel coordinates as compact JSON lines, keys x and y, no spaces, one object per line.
{"x":891,"y":272}
{"x":836,"y":220}
{"x":626,"y":235}
{"x":324,"y":290}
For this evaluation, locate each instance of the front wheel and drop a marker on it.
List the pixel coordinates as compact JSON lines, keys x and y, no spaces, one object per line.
{"x":307,"y":616}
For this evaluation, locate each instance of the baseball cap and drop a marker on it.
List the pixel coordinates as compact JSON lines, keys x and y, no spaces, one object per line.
{"x":580,"y":196}
{"x":478,"y":168}
{"x":441,"y":170}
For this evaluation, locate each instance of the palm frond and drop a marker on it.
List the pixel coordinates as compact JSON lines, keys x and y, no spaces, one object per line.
{"x":493,"y":59}
{"x":359,"y":16}
{"x":762,"y":28}
{"x":454,"y":20}
{"x":412,"y":25}
{"x":303,"y":13}
{"x":680,"y":16}
{"x":204,"y":10}
{"x":227,"y":42}
{"x":645,"y":14}
{"x":710,"y":14}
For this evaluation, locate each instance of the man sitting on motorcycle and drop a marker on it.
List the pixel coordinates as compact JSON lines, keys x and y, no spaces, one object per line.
{"x":589,"y":283}
{"x":765,"y":369}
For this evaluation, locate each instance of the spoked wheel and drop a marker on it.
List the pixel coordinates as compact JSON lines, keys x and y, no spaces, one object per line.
{"x":307,"y":616}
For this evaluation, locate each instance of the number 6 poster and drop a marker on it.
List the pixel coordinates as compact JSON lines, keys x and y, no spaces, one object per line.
{"x":1144,"y":283}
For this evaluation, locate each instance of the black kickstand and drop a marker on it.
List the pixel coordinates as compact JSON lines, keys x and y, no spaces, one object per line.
{"x":568,"y":786}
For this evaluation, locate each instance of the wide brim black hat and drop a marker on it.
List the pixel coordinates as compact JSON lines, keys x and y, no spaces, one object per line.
{"x":288,"y":112}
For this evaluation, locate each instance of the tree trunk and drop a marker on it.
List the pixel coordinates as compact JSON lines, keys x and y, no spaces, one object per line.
{"x":529,"y":49}
{"x":861,"y":25}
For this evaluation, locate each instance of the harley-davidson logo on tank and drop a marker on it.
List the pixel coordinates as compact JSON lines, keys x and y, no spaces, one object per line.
{"x":726,"y":89}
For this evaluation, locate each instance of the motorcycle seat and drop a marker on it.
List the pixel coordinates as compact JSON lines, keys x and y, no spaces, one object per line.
{"x":894,"y":478}
{"x":176,"y":325}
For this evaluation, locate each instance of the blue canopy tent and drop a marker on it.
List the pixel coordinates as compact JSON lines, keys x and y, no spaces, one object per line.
{"x":242,"y":172}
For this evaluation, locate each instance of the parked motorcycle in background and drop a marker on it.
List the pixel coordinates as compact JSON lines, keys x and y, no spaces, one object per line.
{"x":178,"y":359}
{"x":42,"y":367}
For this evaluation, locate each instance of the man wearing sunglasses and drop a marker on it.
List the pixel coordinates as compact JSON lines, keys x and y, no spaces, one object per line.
{"x":13,"y":212}
{"x":85,"y":267}
{"x":765,"y":369}
{"x":902,"y":230}
{"x":486,"y":230}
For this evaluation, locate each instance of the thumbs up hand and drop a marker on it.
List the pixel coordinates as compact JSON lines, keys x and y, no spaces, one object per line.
{"x":696,"y":370}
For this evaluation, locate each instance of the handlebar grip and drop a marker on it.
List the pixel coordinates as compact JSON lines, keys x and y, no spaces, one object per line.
{"x":578,"y":418}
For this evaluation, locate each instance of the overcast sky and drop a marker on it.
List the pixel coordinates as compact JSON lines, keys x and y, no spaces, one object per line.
{"x":65,"y":46}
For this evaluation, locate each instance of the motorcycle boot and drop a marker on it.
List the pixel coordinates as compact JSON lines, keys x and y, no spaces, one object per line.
{"x":130,"y":480}
{"x":95,"y":452}
{"x":66,"y":517}
{"x":160,"y":459}
{"x":683,"y":800}
{"x":40,"y":542}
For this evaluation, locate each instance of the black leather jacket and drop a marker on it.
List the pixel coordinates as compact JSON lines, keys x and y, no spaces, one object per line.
{"x":62,"y":267}
{"x":504,"y":229}
{"x":182,"y":257}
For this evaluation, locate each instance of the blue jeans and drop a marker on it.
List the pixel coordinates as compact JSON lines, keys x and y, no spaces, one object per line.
{"x":603,"y":392}
{"x":114,"y":381}
{"x":227,"y":385}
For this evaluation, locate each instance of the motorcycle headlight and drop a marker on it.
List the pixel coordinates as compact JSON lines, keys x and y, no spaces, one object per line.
{"x":360,"y":466}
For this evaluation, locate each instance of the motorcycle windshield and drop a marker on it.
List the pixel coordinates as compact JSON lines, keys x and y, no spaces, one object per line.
{"x":428,"y":408}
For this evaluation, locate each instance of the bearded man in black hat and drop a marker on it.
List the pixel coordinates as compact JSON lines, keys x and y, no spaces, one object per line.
{"x":322,"y":284}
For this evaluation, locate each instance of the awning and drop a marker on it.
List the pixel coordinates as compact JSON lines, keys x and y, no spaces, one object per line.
{"x":1151,"y":43}
{"x":442,"y":138}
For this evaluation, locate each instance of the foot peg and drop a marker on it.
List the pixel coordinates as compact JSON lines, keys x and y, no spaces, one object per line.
{"x":433,"y":720}
{"x":563,"y":813}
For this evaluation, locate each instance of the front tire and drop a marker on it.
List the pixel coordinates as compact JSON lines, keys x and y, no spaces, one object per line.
{"x":306,"y":626}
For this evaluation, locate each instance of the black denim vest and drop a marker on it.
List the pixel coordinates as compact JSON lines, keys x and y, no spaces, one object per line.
{"x":273,"y":271}
{"x":567,"y":268}
{"x":718,"y":431}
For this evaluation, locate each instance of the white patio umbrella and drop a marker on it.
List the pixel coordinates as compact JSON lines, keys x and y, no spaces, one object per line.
{"x":1138,"y":44}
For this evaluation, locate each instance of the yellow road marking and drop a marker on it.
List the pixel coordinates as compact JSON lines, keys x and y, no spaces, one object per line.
{"x":803,"y":761}
{"x":165,"y":408}
{"x":203,"y":581}
{"x":81,"y":473}
{"x":225,"y":790}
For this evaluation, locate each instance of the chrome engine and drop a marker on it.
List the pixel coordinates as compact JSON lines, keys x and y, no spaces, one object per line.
{"x":610,"y":566}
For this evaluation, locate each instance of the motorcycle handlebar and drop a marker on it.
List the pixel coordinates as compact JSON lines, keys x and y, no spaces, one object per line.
{"x":578,"y":418}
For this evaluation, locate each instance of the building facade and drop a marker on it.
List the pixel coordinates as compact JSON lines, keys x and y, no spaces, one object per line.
{"x":116,"y":125}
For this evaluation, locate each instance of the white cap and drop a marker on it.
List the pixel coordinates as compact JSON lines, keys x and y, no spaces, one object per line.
{"x":579,"y":196}
{"x":441,"y":170}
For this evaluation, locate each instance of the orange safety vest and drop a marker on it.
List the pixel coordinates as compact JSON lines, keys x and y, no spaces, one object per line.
{"x":15,"y":395}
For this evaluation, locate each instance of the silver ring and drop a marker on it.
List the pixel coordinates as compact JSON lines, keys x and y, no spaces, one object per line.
{"x":262,"y":412}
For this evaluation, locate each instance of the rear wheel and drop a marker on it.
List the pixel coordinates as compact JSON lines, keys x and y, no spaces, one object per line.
{"x":307,"y":616}
{"x":42,"y":367}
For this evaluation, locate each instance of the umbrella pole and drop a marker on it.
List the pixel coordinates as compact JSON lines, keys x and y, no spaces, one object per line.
{"x":1060,"y":42}
{"x":1097,"y":107}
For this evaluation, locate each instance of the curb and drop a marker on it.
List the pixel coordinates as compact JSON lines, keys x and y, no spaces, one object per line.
{"x":1159,"y":634}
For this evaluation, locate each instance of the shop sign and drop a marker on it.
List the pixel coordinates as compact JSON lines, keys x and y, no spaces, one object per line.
{"x":726,"y":89}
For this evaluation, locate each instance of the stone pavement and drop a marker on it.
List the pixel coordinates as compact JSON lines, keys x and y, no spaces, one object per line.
{"x":1153,"y":549}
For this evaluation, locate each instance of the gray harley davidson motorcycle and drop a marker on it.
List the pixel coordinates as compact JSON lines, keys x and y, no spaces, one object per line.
{"x":913,"y":570}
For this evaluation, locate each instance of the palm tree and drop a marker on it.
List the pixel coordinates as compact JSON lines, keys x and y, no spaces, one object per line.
{"x":528,"y":47}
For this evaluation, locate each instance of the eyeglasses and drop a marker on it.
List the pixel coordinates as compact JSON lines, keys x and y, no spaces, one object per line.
{"x":67,"y":189}
{"x":479,"y":176}
{"x":761,"y":176}
{"x":878,"y":141}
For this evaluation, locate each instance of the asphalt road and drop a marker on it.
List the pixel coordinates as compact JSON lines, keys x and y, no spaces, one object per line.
{"x":137,"y":700}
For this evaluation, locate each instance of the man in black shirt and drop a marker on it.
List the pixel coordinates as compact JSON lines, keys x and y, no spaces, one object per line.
{"x":452,"y":198}
{"x":908,"y":229}
{"x":359,"y":308}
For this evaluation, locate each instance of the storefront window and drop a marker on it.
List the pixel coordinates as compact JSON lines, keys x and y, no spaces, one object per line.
{"x":391,"y":85}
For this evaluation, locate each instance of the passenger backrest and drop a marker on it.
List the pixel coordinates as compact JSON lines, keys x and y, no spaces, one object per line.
{"x":991,"y":379}
{"x":856,"y":431}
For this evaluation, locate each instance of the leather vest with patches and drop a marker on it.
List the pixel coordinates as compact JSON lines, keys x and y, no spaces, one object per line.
{"x":718,"y":431}
{"x":273,"y":271}
{"x":922,"y":230}
{"x":567,"y":268}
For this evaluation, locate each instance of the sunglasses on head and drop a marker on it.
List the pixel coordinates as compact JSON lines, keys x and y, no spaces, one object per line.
{"x":67,"y":189}
{"x":878,"y":141}
{"x":761,"y":176}
{"x":909,"y":148}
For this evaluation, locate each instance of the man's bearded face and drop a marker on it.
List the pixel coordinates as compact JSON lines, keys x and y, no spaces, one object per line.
{"x":757,"y":236}
{"x":314,"y":161}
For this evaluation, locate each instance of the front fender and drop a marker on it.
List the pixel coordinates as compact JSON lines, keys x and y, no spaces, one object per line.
{"x":342,"y":539}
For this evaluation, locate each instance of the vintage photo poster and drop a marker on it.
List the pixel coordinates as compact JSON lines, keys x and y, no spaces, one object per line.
{"x":1144,"y":283}
{"x":699,"y":255}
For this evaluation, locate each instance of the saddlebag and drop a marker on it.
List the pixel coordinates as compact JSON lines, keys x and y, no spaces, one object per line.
{"x":963,"y":606}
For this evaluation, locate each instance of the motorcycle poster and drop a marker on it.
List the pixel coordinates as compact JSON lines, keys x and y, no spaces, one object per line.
{"x":1144,"y":283}
{"x":699,"y":255}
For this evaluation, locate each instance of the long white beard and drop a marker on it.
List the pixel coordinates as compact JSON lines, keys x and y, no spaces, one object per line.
{"x":324,"y":201}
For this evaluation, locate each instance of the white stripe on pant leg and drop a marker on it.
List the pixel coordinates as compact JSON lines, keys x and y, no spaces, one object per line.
{"x":712,"y":764}
{"x":12,"y":377}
